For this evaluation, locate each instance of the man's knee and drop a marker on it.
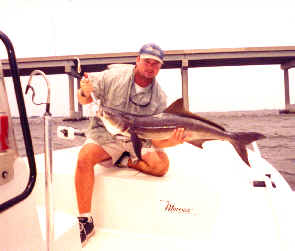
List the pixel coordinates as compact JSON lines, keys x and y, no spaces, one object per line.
{"x":157,"y":169}
{"x":163,"y":164}
{"x":89,"y":155}
{"x":158,"y":163}
{"x":161,"y":168}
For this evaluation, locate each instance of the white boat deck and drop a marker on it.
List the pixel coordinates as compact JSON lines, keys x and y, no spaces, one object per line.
{"x":206,"y":201}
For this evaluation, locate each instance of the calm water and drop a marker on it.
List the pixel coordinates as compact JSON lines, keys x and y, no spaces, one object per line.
{"x":278,"y":148}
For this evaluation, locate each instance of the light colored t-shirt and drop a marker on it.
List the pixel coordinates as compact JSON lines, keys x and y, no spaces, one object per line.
{"x":115,"y":88}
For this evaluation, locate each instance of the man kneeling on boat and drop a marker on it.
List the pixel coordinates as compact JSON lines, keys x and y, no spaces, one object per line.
{"x":131,"y":89}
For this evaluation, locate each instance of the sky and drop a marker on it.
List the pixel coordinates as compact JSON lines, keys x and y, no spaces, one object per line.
{"x":67,"y":27}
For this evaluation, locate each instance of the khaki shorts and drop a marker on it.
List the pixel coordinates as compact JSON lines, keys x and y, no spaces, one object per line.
{"x":115,"y":150}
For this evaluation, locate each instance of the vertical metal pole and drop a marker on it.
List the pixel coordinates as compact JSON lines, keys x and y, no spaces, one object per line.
{"x":71,"y":96}
{"x":80,"y":109}
{"x":287,"y":92}
{"x":184,"y":75}
{"x":48,"y":182}
{"x":48,"y":164}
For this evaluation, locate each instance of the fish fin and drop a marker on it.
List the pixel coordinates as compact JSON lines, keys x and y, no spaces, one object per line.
{"x":241,"y":139}
{"x":197,"y":143}
{"x":177,"y":107}
{"x":137,"y":144}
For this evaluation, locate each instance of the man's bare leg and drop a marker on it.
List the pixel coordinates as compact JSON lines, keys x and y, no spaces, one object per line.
{"x":89,"y":155}
{"x":154,"y":163}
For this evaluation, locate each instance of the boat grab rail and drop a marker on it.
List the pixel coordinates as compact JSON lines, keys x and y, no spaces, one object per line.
{"x":24,"y":125}
{"x":48,"y":159}
{"x":29,"y":87}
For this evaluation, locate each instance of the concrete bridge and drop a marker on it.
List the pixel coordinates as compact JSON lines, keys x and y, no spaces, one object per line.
{"x":182,"y":59}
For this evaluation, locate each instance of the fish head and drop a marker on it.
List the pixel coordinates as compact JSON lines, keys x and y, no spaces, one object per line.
{"x":114,"y":121}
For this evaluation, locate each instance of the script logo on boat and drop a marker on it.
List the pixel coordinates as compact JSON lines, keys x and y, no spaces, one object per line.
{"x":171,"y":207}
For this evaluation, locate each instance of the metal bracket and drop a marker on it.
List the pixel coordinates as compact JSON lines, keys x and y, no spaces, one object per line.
{"x":6,"y":169}
{"x":288,"y":65}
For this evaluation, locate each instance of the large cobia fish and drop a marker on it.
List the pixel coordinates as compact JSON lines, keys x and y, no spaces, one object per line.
{"x":162,"y":125}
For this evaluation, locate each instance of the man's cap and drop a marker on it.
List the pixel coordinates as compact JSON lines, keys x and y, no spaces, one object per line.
{"x":152,"y":51}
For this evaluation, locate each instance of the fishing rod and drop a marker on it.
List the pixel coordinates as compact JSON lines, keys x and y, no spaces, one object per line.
{"x":80,"y":74}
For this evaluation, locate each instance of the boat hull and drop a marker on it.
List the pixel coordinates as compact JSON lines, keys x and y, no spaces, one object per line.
{"x":208,"y":200}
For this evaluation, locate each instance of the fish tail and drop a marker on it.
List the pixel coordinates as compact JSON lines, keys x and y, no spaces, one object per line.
{"x":241,"y":139}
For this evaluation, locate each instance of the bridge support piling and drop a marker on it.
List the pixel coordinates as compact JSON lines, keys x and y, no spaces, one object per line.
{"x":289,"y":108}
{"x":184,"y":75}
{"x":74,"y":116}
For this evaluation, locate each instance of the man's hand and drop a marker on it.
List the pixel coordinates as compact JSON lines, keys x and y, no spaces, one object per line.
{"x":179,"y":136}
{"x":85,"y":90}
{"x":86,"y":87}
